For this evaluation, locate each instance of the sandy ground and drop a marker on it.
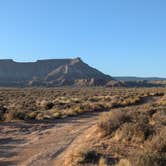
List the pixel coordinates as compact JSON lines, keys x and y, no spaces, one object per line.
{"x":41,"y":143}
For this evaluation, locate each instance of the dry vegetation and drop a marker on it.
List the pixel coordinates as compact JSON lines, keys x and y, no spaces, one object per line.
{"x":129,"y":136}
{"x":132,"y":128}
{"x":52,"y":103}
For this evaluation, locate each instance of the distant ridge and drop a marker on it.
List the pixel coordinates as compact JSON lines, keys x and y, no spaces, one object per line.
{"x":50,"y":72}
{"x":130,"y":78}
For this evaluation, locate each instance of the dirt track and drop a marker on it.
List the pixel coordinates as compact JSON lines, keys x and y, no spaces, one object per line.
{"x":40,"y":144}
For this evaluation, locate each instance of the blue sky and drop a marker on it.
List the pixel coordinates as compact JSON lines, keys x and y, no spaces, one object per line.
{"x":119,"y":37}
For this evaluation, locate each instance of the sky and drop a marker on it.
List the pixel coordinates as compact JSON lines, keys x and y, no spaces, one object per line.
{"x":118,"y":37}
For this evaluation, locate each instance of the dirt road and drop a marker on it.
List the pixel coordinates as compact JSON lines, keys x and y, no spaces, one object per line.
{"x":38,"y":144}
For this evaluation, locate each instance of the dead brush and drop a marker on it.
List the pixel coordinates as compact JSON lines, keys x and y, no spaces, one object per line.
{"x":134,"y":132}
{"x":84,"y":156}
{"x":154,"y":152}
{"x":109,"y":122}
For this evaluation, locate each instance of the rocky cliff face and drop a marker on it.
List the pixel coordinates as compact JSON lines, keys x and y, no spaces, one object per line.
{"x":54,"y":72}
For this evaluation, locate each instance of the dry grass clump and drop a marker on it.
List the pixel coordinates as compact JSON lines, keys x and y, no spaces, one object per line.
{"x":131,"y":100}
{"x":16,"y":115}
{"x":2,"y":112}
{"x":33,"y":115}
{"x":127,"y":126}
{"x":149,"y":158}
{"x":89,"y":157}
{"x":126,"y":100}
{"x":134,"y":132}
{"x":124,"y":162}
{"x":154,"y":152}
{"x":162,"y":101}
{"x":103,"y":162}
{"x":158,"y":143}
{"x":112,"y":120}
{"x":159,"y":117}
{"x":84,"y":156}
{"x":44,"y":104}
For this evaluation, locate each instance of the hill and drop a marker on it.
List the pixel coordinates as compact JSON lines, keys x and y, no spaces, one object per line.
{"x":52,"y":72}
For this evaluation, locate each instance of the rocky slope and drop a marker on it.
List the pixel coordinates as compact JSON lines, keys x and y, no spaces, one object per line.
{"x":53,"y":72}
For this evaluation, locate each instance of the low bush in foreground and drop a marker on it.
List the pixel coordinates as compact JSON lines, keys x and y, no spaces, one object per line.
{"x":134,"y":132}
{"x":149,"y":158}
{"x":111,"y":121}
{"x":84,"y":156}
